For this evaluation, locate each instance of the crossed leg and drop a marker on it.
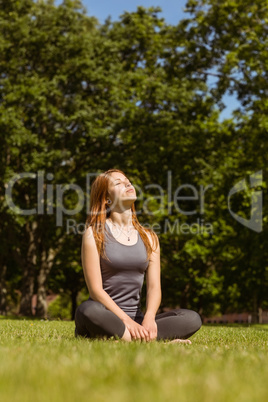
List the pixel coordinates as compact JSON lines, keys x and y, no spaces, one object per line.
{"x":93,"y":319}
{"x":177,"y":325}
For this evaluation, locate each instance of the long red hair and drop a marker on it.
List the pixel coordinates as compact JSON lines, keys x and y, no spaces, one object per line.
{"x":100,"y":211}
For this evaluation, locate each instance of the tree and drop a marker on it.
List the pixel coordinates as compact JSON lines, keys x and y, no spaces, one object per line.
{"x":79,"y":97}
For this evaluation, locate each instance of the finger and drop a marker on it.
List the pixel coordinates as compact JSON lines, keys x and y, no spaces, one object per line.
{"x":143,"y":335}
{"x":146,"y":331}
{"x":146,"y":334}
{"x":133,"y":334}
{"x":140,"y":330}
{"x":138,"y":336}
{"x":143,"y":339}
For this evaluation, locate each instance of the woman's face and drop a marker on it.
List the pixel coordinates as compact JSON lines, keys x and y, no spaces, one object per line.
{"x":121,"y":189}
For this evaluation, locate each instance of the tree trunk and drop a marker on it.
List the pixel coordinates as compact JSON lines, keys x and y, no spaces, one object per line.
{"x":41,"y":302}
{"x":27,"y":291}
{"x":255,"y":314}
{"x":3,"y":291}
{"x":46,"y":265}
{"x":74,"y":303}
{"x":260,"y":315}
{"x":28,"y":271}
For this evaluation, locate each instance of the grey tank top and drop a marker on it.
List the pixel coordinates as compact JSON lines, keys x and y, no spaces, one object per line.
{"x":123,"y":275}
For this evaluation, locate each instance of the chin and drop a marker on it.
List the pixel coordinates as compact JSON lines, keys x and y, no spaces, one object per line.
{"x":131,"y":198}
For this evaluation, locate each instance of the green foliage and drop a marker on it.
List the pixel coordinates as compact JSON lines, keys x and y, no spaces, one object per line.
{"x":78,"y":97}
{"x":60,"y":307}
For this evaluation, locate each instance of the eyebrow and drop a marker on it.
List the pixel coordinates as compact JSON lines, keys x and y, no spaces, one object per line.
{"x":118,"y":179}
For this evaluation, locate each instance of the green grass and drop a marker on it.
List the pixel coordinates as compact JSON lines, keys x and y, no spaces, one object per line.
{"x":43,"y":361}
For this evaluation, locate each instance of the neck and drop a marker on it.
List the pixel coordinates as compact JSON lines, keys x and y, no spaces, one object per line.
{"x":123,"y":219}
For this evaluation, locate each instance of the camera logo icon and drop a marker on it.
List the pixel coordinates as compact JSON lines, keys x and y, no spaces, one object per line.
{"x":255,"y":221}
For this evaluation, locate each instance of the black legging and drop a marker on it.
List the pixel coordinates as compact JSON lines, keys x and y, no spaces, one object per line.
{"x":94,"y":320}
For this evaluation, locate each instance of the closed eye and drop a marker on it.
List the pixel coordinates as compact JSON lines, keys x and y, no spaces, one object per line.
{"x":120,"y":183}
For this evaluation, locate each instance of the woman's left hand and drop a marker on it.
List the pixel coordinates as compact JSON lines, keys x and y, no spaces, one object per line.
{"x":151,"y":326}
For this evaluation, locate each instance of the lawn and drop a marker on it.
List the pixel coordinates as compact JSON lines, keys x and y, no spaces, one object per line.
{"x":43,"y":361}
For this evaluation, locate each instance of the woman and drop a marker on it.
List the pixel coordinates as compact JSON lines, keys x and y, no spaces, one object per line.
{"x":117,"y":251}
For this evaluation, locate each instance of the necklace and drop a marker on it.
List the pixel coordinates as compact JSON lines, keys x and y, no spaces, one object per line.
{"x":128,"y":231}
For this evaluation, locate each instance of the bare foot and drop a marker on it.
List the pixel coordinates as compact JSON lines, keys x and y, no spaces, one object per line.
{"x":187,"y":341}
{"x":180,"y":341}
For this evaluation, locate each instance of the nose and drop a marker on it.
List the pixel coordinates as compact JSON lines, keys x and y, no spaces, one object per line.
{"x":128,"y":186}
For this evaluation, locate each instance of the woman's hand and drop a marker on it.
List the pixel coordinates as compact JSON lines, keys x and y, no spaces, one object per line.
{"x":136,"y":330}
{"x":151,"y":326}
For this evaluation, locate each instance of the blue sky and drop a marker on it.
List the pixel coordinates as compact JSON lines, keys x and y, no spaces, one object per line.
{"x":172,"y":12}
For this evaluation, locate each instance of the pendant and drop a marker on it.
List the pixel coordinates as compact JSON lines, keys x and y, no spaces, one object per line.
{"x":128,"y":239}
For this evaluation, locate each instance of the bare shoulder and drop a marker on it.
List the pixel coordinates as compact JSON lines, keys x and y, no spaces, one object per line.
{"x":88,"y":236}
{"x":89,"y":245}
{"x":153,"y":238}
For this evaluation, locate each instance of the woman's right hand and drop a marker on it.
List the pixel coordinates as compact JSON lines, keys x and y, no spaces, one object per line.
{"x":136,"y":330}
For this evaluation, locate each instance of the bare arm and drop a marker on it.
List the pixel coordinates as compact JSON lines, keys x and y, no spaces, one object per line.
{"x":153,"y":283}
{"x":153,"y":296}
{"x":92,"y":273}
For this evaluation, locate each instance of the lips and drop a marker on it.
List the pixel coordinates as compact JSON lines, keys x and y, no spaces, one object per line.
{"x":129,"y":190}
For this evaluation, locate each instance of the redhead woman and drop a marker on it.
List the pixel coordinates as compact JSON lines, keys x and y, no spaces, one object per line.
{"x":117,"y":252}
